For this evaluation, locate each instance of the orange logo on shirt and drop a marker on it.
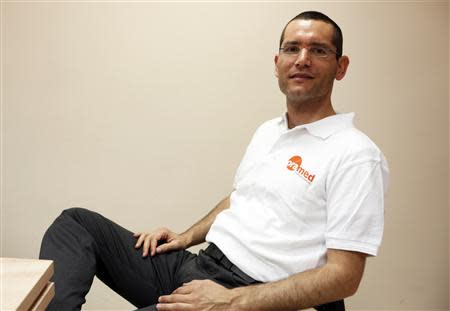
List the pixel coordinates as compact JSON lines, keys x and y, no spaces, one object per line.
{"x":295,"y":164}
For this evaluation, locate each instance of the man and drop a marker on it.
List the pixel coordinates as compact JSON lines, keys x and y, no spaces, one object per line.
{"x":306,"y":211}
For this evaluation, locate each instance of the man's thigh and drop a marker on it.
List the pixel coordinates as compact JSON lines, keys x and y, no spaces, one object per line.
{"x":81,"y":240}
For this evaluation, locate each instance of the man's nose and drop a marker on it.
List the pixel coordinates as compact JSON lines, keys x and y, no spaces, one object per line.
{"x":303,"y":58}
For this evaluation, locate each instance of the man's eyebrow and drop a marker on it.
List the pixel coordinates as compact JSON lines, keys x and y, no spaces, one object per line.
{"x":292,"y":43}
{"x":314,"y":43}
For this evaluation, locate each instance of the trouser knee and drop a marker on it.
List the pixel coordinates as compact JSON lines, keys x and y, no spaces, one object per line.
{"x":70,"y":215}
{"x":77,"y":213}
{"x":67,"y":228}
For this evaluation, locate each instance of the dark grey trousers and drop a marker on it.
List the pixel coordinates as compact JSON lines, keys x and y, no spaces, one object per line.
{"x":84,"y":244}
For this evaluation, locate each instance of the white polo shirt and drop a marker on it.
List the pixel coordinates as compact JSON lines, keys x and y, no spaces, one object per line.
{"x":300,"y":191}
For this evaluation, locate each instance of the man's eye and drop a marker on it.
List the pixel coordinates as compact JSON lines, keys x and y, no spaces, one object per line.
{"x":291,"y":49}
{"x":319,"y":51}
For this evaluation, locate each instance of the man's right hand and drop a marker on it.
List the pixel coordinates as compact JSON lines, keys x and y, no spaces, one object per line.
{"x":149,"y":241}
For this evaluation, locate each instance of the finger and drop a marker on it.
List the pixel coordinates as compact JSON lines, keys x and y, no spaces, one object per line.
{"x":136,"y":234}
{"x":139,"y":241}
{"x":174,"y":298}
{"x":174,"y":306}
{"x":182,"y":290}
{"x":154,"y":243}
{"x":167,"y":247}
{"x":146,"y":247}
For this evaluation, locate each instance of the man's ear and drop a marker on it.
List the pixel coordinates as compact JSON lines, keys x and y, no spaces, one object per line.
{"x":343,"y":63}
{"x":276,"y":62}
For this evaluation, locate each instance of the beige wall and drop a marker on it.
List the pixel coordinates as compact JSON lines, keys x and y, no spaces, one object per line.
{"x":141,"y":111}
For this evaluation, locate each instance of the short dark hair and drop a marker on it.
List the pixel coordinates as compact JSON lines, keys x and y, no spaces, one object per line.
{"x":337,"y":39}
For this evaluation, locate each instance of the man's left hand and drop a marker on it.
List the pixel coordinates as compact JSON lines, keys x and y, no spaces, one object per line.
{"x":198,"y":295}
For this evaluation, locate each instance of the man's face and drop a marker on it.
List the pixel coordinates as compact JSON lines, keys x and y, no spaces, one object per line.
{"x":304,"y":78}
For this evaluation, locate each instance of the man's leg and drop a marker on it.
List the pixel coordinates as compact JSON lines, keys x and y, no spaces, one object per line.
{"x":83,"y":244}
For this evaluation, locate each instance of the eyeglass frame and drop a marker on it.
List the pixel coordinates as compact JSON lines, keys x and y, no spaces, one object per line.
{"x":281,"y":50}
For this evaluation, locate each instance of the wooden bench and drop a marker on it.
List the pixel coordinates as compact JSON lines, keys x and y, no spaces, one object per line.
{"x":25,"y":284}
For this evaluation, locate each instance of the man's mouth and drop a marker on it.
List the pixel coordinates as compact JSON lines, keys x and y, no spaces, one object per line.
{"x":301,"y":76}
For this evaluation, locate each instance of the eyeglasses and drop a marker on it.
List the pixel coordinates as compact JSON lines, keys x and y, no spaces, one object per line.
{"x":314,"y":51}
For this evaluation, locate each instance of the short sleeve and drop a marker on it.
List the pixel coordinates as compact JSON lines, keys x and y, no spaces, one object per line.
{"x":355,"y":206}
{"x":252,"y":153}
{"x":245,"y":163}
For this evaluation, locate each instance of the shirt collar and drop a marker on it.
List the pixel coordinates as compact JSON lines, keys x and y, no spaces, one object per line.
{"x":325,"y":127}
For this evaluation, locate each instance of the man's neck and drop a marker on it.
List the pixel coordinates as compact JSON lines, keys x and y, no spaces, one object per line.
{"x":298,"y":114}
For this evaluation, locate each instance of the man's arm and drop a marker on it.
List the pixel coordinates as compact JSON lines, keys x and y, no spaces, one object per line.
{"x":173,"y":241}
{"x":337,"y":279}
{"x":197,"y":233}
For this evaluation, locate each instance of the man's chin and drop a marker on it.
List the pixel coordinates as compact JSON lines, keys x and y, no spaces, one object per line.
{"x":299,"y":90}
{"x":300,"y":99}
{"x":298,"y":96}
